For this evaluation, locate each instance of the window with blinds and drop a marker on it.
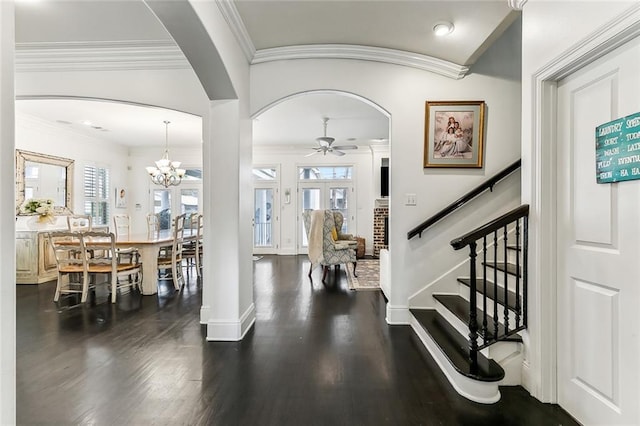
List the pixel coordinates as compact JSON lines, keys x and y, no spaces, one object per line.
{"x":96,"y":194}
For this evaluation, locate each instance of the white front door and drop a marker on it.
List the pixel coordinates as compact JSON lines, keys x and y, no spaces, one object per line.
{"x":598,"y":231}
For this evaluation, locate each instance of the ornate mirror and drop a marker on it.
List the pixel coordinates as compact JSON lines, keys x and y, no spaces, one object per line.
{"x":44,"y":176}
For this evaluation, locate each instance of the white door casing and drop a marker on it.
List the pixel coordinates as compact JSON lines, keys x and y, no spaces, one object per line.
{"x":598,"y":246}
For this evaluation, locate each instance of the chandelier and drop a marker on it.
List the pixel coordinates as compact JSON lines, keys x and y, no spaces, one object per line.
{"x":166,"y":172}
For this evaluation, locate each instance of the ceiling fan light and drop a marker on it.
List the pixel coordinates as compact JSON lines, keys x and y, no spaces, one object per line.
{"x":443,"y":28}
{"x":325,"y":140}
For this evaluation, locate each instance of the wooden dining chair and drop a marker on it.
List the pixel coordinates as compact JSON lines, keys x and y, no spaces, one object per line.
{"x":121,"y":226}
{"x":122,"y":271}
{"x":122,"y":230}
{"x":67,"y":249}
{"x":171,"y":258}
{"x":79,"y":223}
{"x":192,"y":251}
{"x":153,"y":225}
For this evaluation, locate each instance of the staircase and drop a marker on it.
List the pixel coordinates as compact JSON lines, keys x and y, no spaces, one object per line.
{"x":473,"y":334}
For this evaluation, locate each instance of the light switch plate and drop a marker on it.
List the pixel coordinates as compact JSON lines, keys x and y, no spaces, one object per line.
{"x":410,"y":199}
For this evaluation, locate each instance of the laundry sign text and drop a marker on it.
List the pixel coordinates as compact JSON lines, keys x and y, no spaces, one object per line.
{"x":618,"y":150}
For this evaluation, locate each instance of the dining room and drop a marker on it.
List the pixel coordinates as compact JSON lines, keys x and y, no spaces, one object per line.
{"x":90,"y":157}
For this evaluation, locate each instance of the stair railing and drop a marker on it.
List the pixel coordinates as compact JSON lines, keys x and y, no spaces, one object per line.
{"x":488,"y":184}
{"x":490,"y":329}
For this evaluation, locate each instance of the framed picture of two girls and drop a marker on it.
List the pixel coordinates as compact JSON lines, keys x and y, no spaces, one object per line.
{"x":453,"y":133}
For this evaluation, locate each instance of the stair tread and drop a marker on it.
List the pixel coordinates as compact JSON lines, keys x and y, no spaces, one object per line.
{"x":459,"y":306}
{"x":456,"y":347}
{"x":511,"y":296}
{"x":501,"y":266}
{"x":513,"y":247}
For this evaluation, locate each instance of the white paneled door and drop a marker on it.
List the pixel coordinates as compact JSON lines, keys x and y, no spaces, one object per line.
{"x":265,"y":220}
{"x":598,"y":229}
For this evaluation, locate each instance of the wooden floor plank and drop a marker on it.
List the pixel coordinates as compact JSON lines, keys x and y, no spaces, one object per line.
{"x":317,"y":355}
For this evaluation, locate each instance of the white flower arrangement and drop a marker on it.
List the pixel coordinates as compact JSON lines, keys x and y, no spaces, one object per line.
{"x":41,"y":206}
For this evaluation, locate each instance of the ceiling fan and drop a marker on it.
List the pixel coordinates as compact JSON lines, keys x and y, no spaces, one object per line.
{"x":325,"y":144}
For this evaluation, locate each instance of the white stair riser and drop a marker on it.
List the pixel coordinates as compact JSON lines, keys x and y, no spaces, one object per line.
{"x":511,"y":279}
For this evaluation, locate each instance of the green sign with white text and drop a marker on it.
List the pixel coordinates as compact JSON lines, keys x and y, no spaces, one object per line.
{"x":618,"y":150}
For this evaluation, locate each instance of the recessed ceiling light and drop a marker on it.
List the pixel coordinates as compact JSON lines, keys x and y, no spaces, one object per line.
{"x":351,"y":139}
{"x":63,"y":122}
{"x":442,"y":28}
{"x":87,"y":123}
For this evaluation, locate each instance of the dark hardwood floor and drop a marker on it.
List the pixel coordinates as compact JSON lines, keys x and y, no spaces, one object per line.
{"x":317,"y":355}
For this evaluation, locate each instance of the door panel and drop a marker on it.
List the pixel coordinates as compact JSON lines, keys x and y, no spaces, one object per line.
{"x":329,"y":195}
{"x":263,"y":230}
{"x":598,"y":233}
{"x":311,"y":198}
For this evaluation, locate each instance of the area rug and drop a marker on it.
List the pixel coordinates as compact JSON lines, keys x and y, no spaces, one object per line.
{"x":368,"y":278}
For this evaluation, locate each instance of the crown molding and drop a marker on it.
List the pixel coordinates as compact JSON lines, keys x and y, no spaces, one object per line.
{"x":232,"y":16}
{"x":364,"y":53}
{"x":99,"y":56}
{"x":516,"y":4}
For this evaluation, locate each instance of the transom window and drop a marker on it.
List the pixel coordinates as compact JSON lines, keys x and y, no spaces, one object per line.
{"x":265,"y":173}
{"x":325,"y":173}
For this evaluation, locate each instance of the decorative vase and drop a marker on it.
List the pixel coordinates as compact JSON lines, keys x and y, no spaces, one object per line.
{"x":46,"y":219}
{"x":39,"y":222}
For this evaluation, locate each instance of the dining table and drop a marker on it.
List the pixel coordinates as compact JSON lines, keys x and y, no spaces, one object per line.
{"x":149,"y":247}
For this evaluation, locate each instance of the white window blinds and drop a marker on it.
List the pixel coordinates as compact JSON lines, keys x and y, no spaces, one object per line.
{"x":96,"y":194}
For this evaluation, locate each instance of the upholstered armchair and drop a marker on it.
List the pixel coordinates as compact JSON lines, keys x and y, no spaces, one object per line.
{"x":328,"y":251}
{"x":339,"y":220}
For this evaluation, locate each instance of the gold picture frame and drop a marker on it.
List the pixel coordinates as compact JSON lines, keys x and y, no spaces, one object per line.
{"x":454,"y":134}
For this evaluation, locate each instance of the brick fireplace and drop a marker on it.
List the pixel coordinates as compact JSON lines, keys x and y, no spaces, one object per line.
{"x":380,"y":226}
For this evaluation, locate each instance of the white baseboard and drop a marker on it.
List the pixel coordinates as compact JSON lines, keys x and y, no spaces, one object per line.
{"x":204,"y":314}
{"x":397,"y":315}
{"x":287,"y":252}
{"x":231,"y":331}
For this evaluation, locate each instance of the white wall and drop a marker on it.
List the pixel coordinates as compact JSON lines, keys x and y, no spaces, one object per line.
{"x":402,"y":91}
{"x":177,"y":89}
{"x":551,"y":31}
{"x":289,"y":161}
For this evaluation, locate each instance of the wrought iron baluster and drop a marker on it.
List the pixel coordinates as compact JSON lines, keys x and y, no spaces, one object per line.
{"x":518,"y":252}
{"x":484,"y":289}
{"x":473,"y":322}
{"x":495,"y":284}
{"x":506,"y":284}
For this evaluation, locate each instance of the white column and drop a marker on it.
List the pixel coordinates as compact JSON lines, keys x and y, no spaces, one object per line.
{"x":7,"y":217}
{"x":226,"y":310}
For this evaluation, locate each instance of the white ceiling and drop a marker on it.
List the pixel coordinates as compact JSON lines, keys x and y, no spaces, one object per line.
{"x":121,"y":123}
{"x":393,"y":24}
{"x":396,"y":24}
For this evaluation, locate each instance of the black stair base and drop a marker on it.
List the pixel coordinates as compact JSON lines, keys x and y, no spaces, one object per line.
{"x":456,"y":347}
{"x":460,"y":308}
